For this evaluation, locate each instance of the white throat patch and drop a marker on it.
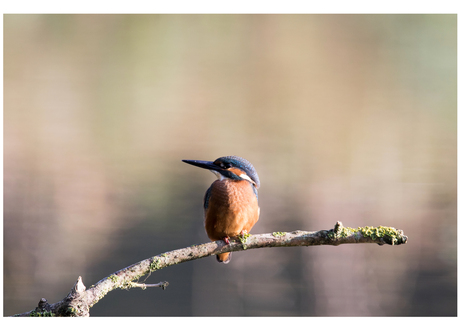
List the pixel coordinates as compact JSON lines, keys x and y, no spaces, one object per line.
{"x":219,"y":176}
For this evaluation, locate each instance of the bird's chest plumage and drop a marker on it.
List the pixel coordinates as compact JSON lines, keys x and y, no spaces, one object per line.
{"x":232,"y":208}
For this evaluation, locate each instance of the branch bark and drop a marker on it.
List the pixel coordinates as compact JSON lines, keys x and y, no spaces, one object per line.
{"x":80,"y":299}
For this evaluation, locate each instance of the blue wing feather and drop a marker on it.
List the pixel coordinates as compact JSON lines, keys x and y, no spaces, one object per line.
{"x":255,"y":191}
{"x":207,"y":196}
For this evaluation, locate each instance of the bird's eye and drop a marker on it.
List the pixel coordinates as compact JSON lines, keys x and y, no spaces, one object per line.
{"x":225,"y":166}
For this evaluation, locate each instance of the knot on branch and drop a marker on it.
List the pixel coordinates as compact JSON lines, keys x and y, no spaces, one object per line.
{"x":77,"y":289}
{"x":43,"y":309}
{"x":75,"y":304}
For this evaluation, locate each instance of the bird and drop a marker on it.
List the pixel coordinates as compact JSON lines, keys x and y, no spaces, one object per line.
{"x":231,"y":205}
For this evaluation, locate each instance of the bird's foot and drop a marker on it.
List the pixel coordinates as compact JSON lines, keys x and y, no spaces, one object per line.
{"x":244,"y":233}
{"x":227,"y":240}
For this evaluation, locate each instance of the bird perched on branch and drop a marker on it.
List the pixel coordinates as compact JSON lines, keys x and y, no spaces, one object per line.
{"x":231,"y":203}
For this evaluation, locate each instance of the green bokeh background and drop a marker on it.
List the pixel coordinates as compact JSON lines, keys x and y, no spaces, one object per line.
{"x":346,"y":118}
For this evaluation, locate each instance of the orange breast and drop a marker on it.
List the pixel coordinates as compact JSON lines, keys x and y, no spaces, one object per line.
{"x":232,"y":208}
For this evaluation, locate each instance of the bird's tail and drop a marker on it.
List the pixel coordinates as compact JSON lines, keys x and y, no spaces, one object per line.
{"x":224,"y":257}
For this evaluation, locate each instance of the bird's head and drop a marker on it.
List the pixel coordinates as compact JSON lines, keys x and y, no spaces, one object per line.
{"x":229,"y":167}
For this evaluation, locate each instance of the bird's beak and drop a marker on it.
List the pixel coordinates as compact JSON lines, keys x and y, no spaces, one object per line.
{"x":203,"y":164}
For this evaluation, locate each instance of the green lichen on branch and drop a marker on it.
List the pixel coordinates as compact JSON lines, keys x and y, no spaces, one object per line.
{"x":243,"y":237}
{"x":126,"y":285}
{"x":155,"y":264}
{"x":113,"y":278}
{"x":389,"y":235}
{"x":341,"y":232}
{"x":279,"y":233}
{"x":381,"y":232}
{"x":41,"y":314}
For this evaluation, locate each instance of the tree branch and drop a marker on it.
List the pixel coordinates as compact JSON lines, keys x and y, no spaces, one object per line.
{"x":79,"y":300}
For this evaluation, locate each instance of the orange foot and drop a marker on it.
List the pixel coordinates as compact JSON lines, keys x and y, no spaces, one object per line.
{"x":226,"y":240}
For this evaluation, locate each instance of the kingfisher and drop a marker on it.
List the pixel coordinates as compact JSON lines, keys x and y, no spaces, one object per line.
{"x":231,"y":202}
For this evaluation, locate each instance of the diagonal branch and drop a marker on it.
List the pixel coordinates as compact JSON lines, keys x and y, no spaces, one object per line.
{"x":80,"y":300}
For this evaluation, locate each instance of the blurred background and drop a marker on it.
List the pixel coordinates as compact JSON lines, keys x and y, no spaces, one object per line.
{"x":346,"y":118}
